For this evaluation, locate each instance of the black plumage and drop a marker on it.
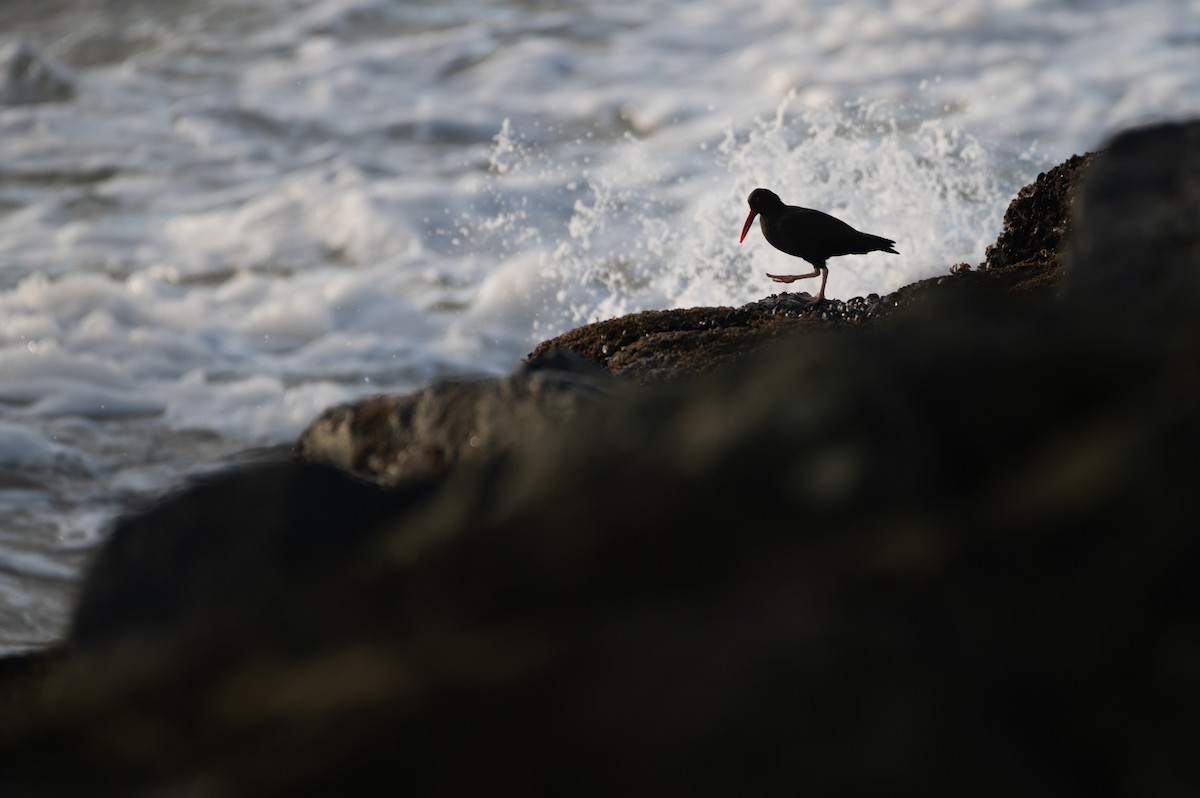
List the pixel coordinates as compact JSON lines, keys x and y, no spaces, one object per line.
{"x":809,"y":234}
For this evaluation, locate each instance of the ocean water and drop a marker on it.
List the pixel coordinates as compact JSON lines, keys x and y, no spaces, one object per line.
{"x":225,"y":216}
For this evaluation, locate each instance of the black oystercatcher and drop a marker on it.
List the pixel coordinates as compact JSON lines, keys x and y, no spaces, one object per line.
{"x":808,"y":234}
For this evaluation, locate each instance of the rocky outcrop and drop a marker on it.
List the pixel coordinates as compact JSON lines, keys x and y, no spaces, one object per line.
{"x":661,"y":345}
{"x":1037,"y":226}
{"x":946,"y":552}
{"x":452,"y":422}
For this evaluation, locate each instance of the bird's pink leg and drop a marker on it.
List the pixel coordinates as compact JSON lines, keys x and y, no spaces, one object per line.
{"x":821,"y":293}
{"x":791,"y":278}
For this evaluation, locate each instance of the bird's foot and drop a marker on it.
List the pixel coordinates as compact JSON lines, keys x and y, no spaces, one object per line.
{"x":787,"y":301}
{"x":786,"y":278}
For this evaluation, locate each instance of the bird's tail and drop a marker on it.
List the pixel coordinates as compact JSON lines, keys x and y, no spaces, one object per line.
{"x":882,"y":244}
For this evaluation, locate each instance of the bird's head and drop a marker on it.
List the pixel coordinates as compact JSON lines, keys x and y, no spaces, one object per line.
{"x":761,"y":201}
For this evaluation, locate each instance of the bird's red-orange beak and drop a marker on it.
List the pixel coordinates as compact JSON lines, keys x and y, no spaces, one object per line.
{"x":746,"y":226}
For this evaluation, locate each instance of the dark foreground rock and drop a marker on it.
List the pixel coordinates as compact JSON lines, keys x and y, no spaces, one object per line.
{"x":1141,"y":214}
{"x":951,"y":553}
{"x":172,"y":565}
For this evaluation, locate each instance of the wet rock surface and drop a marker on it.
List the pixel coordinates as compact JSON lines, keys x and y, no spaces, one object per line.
{"x":661,"y":345}
{"x":1037,"y":223}
{"x":947,"y":551}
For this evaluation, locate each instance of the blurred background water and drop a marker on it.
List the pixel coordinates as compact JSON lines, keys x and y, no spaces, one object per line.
{"x":218,"y":218}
